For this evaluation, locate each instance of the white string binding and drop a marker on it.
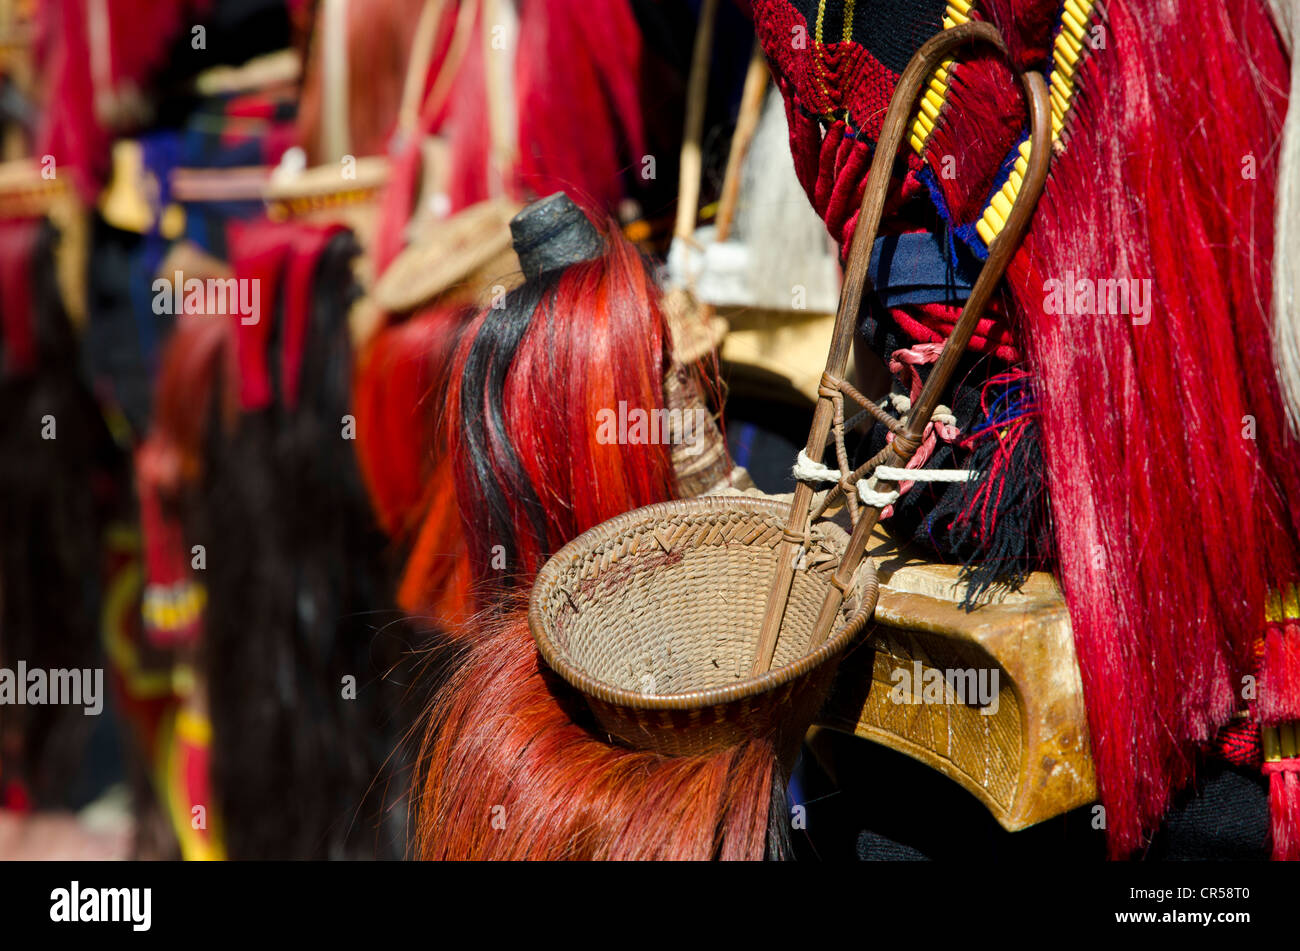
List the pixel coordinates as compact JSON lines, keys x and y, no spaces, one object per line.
{"x":805,"y":470}
{"x":868,"y":493}
{"x":903,"y":405}
{"x":895,"y":474}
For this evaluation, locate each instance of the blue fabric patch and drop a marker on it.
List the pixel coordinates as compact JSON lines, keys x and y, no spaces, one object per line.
{"x":921,"y":268}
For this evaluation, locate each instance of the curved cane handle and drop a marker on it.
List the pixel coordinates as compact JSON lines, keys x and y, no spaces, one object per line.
{"x":893,"y":134}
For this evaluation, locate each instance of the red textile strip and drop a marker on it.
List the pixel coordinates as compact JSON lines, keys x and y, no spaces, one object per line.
{"x":307,"y":246}
{"x":17,"y":319}
{"x":260,"y":251}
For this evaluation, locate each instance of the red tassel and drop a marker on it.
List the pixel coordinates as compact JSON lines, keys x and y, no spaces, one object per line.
{"x":279,"y":259}
{"x":1279,"y":673}
{"x":577,"y":86}
{"x":259,"y":252}
{"x":1171,"y":468}
{"x":1284,"y":807}
{"x":595,"y":344}
{"x":460,"y":116}
{"x":395,"y":204}
{"x":131,"y":44}
{"x":307,"y":245}
{"x":438,"y":579}
{"x":580,"y":126}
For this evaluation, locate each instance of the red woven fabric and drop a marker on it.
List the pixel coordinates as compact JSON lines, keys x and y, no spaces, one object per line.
{"x":281,"y":257}
{"x":837,"y":94}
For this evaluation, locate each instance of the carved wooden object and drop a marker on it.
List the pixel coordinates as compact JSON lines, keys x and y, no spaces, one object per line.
{"x":1029,"y":760}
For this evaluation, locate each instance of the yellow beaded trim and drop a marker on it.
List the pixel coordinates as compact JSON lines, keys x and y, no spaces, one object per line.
{"x":1280,"y":742}
{"x":1067,"y":50}
{"x":170,"y":608}
{"x":1283,"y":605}
{"x":957,"y":12}
{"x":280,"y":209}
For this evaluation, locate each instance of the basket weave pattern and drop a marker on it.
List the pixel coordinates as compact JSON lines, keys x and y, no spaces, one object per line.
{"x":654,"y":616}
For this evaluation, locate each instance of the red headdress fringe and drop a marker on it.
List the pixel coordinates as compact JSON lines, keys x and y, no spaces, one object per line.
{"x":509,"y":768}
{"x":400,"y":393}
{"x":401,"y":381}
{"x":530,"y":380}
{"x":18,"y":241}
{"x":507,"y":773}
{"x":1172,"y":474}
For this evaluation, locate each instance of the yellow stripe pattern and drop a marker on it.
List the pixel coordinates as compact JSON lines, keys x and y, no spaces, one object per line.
{"x":1283,"y":605}
{"x":194,"y":730}
{"x":817,"y":62}
{"x":936,"y":92}
{"x":1067,"y":50}
{"x":282,"y":209}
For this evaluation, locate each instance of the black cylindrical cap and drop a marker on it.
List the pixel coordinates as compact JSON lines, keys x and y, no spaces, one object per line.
{"x":553,"y":233}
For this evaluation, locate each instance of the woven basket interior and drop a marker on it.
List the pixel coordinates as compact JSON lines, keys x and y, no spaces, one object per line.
{"x":676,"y":607}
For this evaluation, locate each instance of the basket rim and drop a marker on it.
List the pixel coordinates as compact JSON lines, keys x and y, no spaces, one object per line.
{"x":589,"y":686}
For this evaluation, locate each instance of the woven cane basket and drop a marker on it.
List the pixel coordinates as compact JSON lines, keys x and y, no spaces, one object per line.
{"x":654,"y":617}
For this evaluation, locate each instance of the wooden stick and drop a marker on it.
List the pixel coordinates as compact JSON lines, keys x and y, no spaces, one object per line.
{"x":1004,"y":246}
{"x":503,"y":127}
{"x":417,"y":64}
{"x":751,"y":108}
{"x":930,"y":55}
{"x":697,"y":87}
{"x":335,"y":141}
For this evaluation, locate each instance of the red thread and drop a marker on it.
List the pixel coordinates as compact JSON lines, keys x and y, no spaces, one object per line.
{"x":400,"y":386}
{"x":910,"y":358}
{"x":1284,"y":809}
{"x":1165,"y":606}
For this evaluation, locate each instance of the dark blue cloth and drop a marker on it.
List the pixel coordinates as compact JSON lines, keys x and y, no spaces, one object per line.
{"x":918,"y":269}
